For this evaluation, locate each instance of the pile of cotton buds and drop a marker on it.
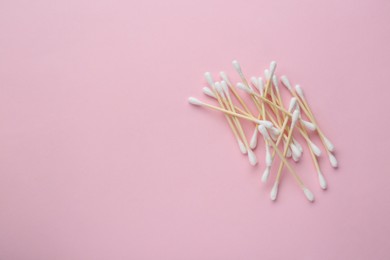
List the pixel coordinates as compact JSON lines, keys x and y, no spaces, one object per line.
{"x":272,"y":120}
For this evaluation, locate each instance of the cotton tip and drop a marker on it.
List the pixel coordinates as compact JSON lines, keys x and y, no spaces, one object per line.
{"x":275,"y":131}
{"x":333,"y":160}
{"x":264,"y":132}
{"x":237,"y":66}
{"x":275,"y":82}
{"x":272,"y":68}
{"x":286,"y":82}
{"x":295,"y":157}
{"x":219,"y":89}
{"x":295,"y":151}
{"x":218,"y":86}
{"x":295,"y":117}
{"x":266,"y":74}
{"x":268,"y":156}
{"x":265,"y":175}
{"x":252,"y":157}
{"x":195,"y":101}
{"x":315,"y":149}
{"x":298,"y":108}
{"x":254,"y":82}
{"x":265,"y":123}
{"x":309,"y":195}
{"x":209,"y":78}
{"x":328,"y":144}
{"x":273,"y":135}
{"x":208,"y":92}
{"x":293,"y":103}
{"x":260,"y":85}
{"x":245,"y":88}
{"x":274,"y":191}
{"x":299,"y":91}
{"x":297,"y":144}
{"x":242,"y":147}
{"x":224,"y":86}
{"x":253,"y":142}
{"x":309,"y":126}
{"x":225,"y":78}
{"x":322,"y":180}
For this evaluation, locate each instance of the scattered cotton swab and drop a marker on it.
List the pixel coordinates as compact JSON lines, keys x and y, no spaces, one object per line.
{"x":278,"y":125}
{"x":197,"y":102}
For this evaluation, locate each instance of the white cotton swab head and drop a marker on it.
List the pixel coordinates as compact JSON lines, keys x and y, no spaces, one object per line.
{"x":209,"y":78}
{"x":273,"y":136}
{"x":295,"y":151}
{"x":322,"y":180}
{"x":225,"y":88}
{"x":274,"y":191}
{"x":295,"y":117}
{"x":266,"y":123}
{"x":263,"y":131}
{"x":219,"y":89}
{"x":253,"y":142}
{"x":252,"y":157}
{"x":293,"y":103}
{"x":265,"y":175}
{"x":245,"y":88}
{"x":298,"y":108}
{"x":315,"y":149}
{"x":328,"y":144}
{"x":254,"y":82}
{"x":266,"y":74}
{"x":333,"y":160}
{"x":208,"y":92}
{"x":242,"y":147}
{"x":298,"y":145}
{"x":260,"y":85}
{"x":299,"y":91}
{"x":268,"y":156}
{"x":309,"y":195}
{"x":272,"y":68}
{"x":295,"y":157}
{"x":237,"y":66}
{"x":286,"y":82}
{"x":275,"y":82}
{"x":195,"y":101}
{"x":225,"y":78}
{"x":275,"y":131}
{"x":309,"y":126}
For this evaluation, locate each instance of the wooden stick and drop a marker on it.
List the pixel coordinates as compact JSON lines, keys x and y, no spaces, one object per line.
{"x":272,"y":104}
{"x":230,"y":122}
{"x":286,"y":148}
{"x":229,"y":105}
{"x":199,"y":103}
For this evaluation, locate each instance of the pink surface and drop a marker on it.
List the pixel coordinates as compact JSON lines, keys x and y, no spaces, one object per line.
{"x":101,"y":157}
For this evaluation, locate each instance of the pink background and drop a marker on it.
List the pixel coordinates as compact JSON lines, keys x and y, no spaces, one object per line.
{"x":101,"y":157}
